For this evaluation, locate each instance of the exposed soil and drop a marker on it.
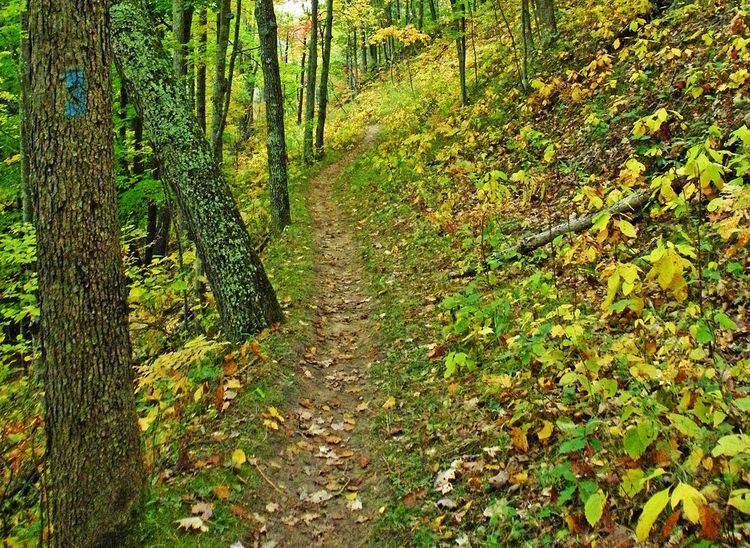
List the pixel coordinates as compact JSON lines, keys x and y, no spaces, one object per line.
{"x":327,"y":481}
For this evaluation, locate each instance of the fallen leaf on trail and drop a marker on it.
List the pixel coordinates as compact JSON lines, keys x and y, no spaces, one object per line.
{"x":390,"y":403}
{"x":448,"y":504}
{"x":238,"y":458}
{"x":192,"y":524}
{"x":230,"y":365}
{"x":500,"y":479}
{"x":364,"y":461}
{"x":221,"y":492}
{"x":237,"y":544}
{"x":545,"y":431}
{"x":443,"y":481}
{"x":272,"y":507}
{"x":363,"y":406}
{"x":317,"y":497}
{"x":519,"y":440}
{"x":354,"y":505}
{"x":271,"y":425}
{"x":274,"y":413}
{"x":203,"y":509}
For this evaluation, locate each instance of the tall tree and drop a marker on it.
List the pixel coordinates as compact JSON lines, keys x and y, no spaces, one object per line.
{"x":323,"y":90}
{"x":244,"y":296}
{"x":548,"y":17}
{"x":312,"y":73}
{"x":93,"y":444}
{"x":275,"y":139}
{"x":200,"y":68}
{"x":301,"y":95}
{"x":27,"y":196}
{"x":459,"y":28}
{"x":223,"y":19}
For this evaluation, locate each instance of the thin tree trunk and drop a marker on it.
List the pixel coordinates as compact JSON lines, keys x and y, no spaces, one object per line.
{"x":27,"y":197}
{"x":150,"y":240}
{"x":276,"y":139}
{"x":244,"y":296}
{"x":527,"y":39}
{"x":236,"y":47}
{"x":123,"y":115}
{"x":223,"y":19}
{"x":248,"y":118}
{"x":138,"y":155}
{"x":312,"y":70}
{"x":433,"y":11}
{"x":459,"y":26}
{"x":93,"y":444}
{"x":355,"y":60}
{"x":420,"y":20}
{"x":364,"y":52}
{"x":323,"y":91}
{"x":200,"y":69}
{"x":302,"y":81}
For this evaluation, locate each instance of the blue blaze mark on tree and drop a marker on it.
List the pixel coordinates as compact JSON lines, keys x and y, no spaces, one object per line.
{"x":75,"y":83}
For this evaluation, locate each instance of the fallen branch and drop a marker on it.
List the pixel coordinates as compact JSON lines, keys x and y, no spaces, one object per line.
{"x":634,"y":202}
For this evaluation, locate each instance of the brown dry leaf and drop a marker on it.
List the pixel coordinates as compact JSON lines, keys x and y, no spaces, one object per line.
{"x":219,"y":398}
{"x":192,"y":524}
{"x":500,"y":479}
{"x":272,"y":507}
{"x":364,"y":461}
{"x":519,"y":440}
{"x":669,"y":524}
{"x":710,"y":523}
{"x":221,"y":492}
{"x":203,"y":509}
{"x":230,"y":365}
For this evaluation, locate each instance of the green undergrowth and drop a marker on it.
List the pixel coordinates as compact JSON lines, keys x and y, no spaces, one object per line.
{"x":597,"y":388}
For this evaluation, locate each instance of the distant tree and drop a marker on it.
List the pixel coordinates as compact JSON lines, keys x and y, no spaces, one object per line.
{"x":301,"y":92}
{"x":223,"y":20}
{"x":276,"y":139}
{"x":200,"y":68}
{"x":548,"y":17}
{"x":459,"y":29}
{"x":93,"y":444}
{"x":323,"y":91}
{"x":244,"y":296}
{"x":312,"y":70}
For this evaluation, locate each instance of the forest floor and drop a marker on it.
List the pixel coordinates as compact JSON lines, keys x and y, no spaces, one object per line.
{"x":326,"y":479}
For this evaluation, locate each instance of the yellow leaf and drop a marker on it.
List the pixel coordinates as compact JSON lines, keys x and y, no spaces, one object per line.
{"x":651,"y":511}
{"x":272,"y":425}
{"x":275,"y":414}
{"x":520,"y":442}
{"x":390,"y":403}
{"x":545,"y":431}
{"x":691,"y":500}
{"x":198,"y":393}
{"x":238,"y":458}
{"x":627,"y":229}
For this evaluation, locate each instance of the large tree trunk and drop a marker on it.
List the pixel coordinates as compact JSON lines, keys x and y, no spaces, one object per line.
{"x":323,"y":90}
{"x":276,"y":139}
{"x":200,"y":69}
{"x":93,"y":444}
{"x":548,"y":17}
{"x":244,"y":296}
{"x":312,"y":71}
{"x":223,"y":19}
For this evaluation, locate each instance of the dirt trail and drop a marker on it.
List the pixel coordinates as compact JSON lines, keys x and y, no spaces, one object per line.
{"x":328,"y":479}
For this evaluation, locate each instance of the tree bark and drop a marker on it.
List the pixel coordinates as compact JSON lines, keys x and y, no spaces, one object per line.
{"x":247,"y":123}
{"x":459,"y":26}
{"x":548,"y":17}
{"x":312,"y":70}
{"x":200,"y":69}
{"x":275,"y":139}
{"x":302,"y":81}
{"x":364,"y":51}
{"x":93,"y":444}
{"x":236,"y":47}
{"x":223,"y":19}
{"x":323,"y":90}
{"x":244,"y":296}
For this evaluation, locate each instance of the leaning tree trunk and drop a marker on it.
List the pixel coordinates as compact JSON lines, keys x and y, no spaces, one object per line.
{"x":312,"y":70}
{"x":93,"y":445}
{"x":223,"y":19}
{"x":323,"y":90}
{"x":275,"y":140}
{"x":244,"y":296}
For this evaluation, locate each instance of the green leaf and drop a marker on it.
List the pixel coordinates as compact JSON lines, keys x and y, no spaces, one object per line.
{"x":725,"y":321}
{"x":732,"y":445}
{"x":651,"y":511}
{"x":601,"y":221}
{"x":595,"y":507}
{"x":685,"y":425}
{"x":638,"y":438}
{"x":743,"y":404}
{"x":626,"y":228}
{"x":740,"y":499}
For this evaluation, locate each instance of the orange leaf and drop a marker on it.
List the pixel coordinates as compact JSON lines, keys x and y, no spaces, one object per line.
{"x":710,"y":523}
{"x":669,"y":524}
{"x":518,"y":437}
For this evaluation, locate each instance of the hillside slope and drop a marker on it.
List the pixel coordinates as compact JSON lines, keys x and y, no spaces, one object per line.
{"x":596,"y":387}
